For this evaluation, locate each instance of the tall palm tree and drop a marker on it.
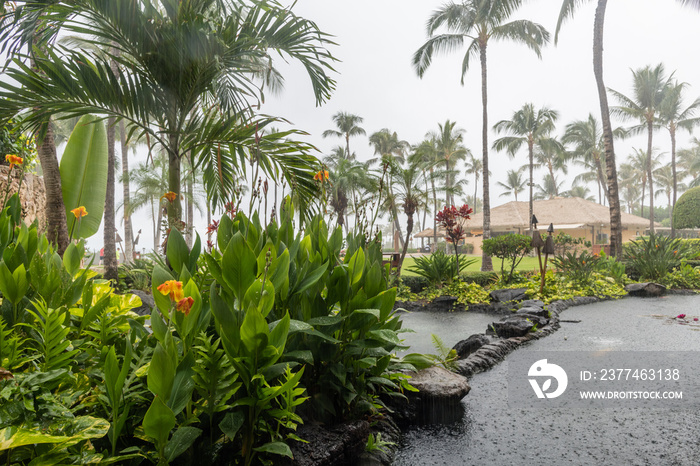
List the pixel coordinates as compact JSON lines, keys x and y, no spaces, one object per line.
{"x":550,"y":187}
{"x":409,"y":197}
{"x":649,"y":86}
{"x":448,"y":142}
{"x":639,"y":171}
{"x":528,"y":127}
{"x":475,"y":167}
{"x":689,"y":163}
{"x":390,"y":150}
{"x":552,"y":155}
{"x":567,"y":11}
{"x":477,"y":22}
{"x":195,"y":69}
{"x":582,"y":192}
{"x":346,"y":175}
{"x":427,"y":157}
{"x":515,"y":184}
{"x":674,"y":116}
{"x":629,"y":186}
{"x":348,"y":125}
{"x":588,"y":149}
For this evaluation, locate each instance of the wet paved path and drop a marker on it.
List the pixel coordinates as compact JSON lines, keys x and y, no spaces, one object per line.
{"x":491,"y":432}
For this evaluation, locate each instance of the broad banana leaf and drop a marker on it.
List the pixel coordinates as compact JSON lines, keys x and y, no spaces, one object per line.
{"x":84,"y":175}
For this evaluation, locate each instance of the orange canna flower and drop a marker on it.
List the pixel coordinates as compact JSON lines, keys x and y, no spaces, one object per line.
{"x":318,"y":176}
{"x":325,"y":174}
{"x":172,"y":288}
{"x":170,"y":196}
{"x":79,"y":212}
{"x":185,"y":305}
{"x":13,"y":160}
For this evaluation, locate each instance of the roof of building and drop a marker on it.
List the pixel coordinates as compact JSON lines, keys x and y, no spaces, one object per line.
{"x":563,"y":212}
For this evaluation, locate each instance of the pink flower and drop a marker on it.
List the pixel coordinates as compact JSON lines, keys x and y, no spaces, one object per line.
{"x":680,"y":316}
{"x":696,"y":319}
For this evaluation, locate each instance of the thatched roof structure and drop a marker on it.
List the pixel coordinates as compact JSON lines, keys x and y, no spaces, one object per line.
{"x":566,"y":213}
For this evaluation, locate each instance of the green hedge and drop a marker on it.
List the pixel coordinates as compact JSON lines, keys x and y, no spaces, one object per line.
{"x":686,"y":213}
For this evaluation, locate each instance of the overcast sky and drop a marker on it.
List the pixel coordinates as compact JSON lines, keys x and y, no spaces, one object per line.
{"x":375,"y":79}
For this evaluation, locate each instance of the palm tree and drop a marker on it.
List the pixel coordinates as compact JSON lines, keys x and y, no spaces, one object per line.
{"x":408,"y":195}
{"x":347,"y":125}
{"x":475,"y":167}
{"x":552,"y":155}
{"x":391,"y":150}
{"x":689,"y":162}
{"x":202,"y":100}
{"x":477,"y":22}
{"x":581,"y":192}
{"x":448,"y":142}
{"x":514,"y":184}
{"x":629,"y":186}
{"x":588,"y":149}
{"x":427,"y":157}
{"x":649,"y":86}
{"x":346,"y":175}
{"x":664,"y":182}
{"x":639,"y":171}
{"x":525,"y":127}
{"x":550,"y":187}
{"x":567,"y":11}
{"x":673,"y":116}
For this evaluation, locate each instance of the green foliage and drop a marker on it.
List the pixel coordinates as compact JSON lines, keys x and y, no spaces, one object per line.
{"x":84,"y":175}
{"x":446,"y":356}
{"x":135,"y":275}
{"x":684,"y":277}
{"x":439,"y":268}
{"x":510,"y":248}
{"x":577,"y":267}
{"x":564,"y":242}
{"x":652,"y":257}
{"x":686,"y":212}
{"x":693,"y":247}
{"x":560,"y":287}
{"x":377,"y":444}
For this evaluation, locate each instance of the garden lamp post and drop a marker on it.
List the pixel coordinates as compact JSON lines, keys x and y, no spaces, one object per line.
{"x":548,"y":249}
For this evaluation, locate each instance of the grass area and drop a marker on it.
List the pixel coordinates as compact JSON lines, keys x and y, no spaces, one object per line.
{"x":528,"y":263}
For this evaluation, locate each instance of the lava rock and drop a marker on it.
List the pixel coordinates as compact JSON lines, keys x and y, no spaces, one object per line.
{"x":466,"y":347}
{"x":532,"y":303}
{"x":444,"y":303}
{"x":536,"y":311}
{"x":645,"y":290}
{"x":340,"y":445}
{"x":539,"y":320}
{"x":147,"y":303}
{"x":438,"y":384}
{"x":508,"y":294}
{"x":512,"y":328}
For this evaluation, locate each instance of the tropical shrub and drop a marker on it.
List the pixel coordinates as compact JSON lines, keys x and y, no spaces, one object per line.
{"x":439,"y":268}
{"x":686,"y":212}
{"x":564,"y":242}
{"x":466,"y":248}
{"x":693,"y":247}
{"x":511,"y":248}
{"x":577,"y":267}
{"x":684,"y":277}
{"x":652,"y":257}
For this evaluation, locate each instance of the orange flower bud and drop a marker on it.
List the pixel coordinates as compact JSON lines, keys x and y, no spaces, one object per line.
{"x":170,"y":196}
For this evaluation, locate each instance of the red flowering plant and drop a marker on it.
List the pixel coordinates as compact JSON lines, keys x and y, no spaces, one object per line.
{"x":449,"y":219}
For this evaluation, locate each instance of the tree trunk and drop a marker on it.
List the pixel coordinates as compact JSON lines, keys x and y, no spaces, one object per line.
{"x":409,"y":229}
{"x":486,"y":264}
{"x":190,"y":207}
{"x":476,"y":185}
{"x":435,"y":206}
{"x":530,"y":152}
{"x":109,"y":227}
{"x":672,"y":130}
{"x":128,"y":231}
{"x":613,"y":193}
{"x":650,"y":130}
{"x":56,"y":220}
{"x":175,"y":207}
{"x":111,"y":263}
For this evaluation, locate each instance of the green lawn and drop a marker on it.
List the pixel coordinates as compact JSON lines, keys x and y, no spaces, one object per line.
{"x":528,"y":263}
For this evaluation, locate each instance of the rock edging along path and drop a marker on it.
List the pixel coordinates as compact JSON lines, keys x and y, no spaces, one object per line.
{"x":488,"y":355}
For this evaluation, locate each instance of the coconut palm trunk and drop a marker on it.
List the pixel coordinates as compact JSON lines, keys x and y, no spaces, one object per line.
{"x":128,"y":231}
{"x":650,"y":133}
{"x":531,"y":152}
{"x":672,"y":130}
{"x":56,"y":221}
{"x":611,"y":169}
{"x":111,"y":263}
{"x":190,"y":207}
{"x":486,"y":264}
